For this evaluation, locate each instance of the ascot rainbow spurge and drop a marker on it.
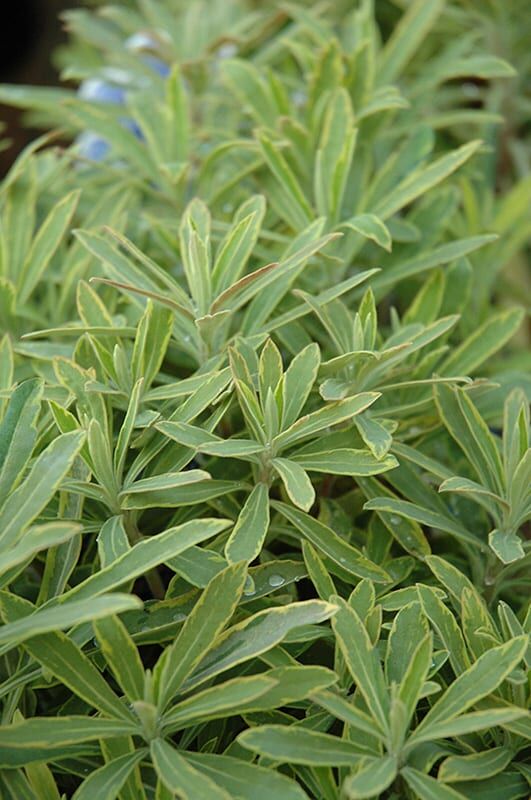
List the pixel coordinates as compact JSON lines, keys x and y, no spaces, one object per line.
{"x":264,"y":406}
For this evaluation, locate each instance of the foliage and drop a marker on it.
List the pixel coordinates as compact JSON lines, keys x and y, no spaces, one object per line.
{"x":264,"y":401}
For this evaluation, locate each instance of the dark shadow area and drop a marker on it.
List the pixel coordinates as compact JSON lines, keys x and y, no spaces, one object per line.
{"x":29,"y":32}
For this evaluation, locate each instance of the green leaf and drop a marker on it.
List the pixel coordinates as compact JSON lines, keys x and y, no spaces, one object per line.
{"x":121,"y":655}
{"x":296,"y":482}
{"x":298,"y":381}
{"x":403,"y":509}
{"x":421,"y":262}
{"x":113,"y":541}
{"x":344,"y":461}
{"x":54,"y":618}
{"x":37,"y":538}
{"x":18,"y":433}
{"x":300,"y":212}
{"x":345,"y":710}
{"x":107,"y":781}
{"x":238,"y":243}
{"x":363,"y":662}
{"x":151,"y":342}
{"x":244,"y":780}
{"x":409,"y":629}
{"x":414,"y":679}
{"x":334,"y":154}
{"x":278,"y":687}
{"x":507,"y":546}
{"x":222,"y":700}
{"x":423,"y":179}
{"x":293,"y":745}
{"x":126,"y":431}
{"x":47,"y":738}
{"x":371,"y":227}
{"x":407,"y":36}
{"x":59,"y":655}
{"x":180,"y":777}
{"x":317,"y":572}
{"x":510,"y":717}
{"x":257,"y":635}
{"x":166,"y":481}
{"x":428,"y":788}
{"x":376,"y":437}
{"x":484,"y":67}
{"x":249,"y":532}
{"x":486,"y":340}
{"x":480,"y":680}
{"x":46,"y":243}
{"x":199,"y":633}
{"x":330,"y":544}
{"x":476,"y":766}
{"x":34,"y":494}
{"x":188,"y":492}
{"x":332,"y":414}
{"x":407,"y":532}
{"x":372,"y":777}
{"x":252,"y":89}
{"x":472,"y":434}
{"x":145,"y":555}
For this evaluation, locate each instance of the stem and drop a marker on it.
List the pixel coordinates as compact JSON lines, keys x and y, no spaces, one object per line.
{"x":153,"y":579}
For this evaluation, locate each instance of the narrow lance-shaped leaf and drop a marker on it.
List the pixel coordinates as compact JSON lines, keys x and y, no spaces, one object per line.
{"x":208,"y":618}
{"x":63,"y":658}
{"x":482,"y":678}
{"x":106,"y":782}
{"x":333,"y":546}
{"x":372,"y":778}
{"x":49,"y":738}
{"x":121,"y":655}
{"x":34,"y":494}
{"x":362,"y":661}
{"x":180,"y":777}
{"x":257,"y":635}
{"x":18,"y":434}
{"x":291,"y":745}
{"x":145,"y":555}
{"x":296,"y":482}
{"x":46,"y":243}
{"x":249,"y":532}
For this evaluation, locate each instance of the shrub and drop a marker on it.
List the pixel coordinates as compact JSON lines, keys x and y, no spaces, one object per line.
{"x":264,"y":391}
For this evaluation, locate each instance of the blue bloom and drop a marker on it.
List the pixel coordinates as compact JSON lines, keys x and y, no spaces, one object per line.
{"x":90,"y":145}
{"x":99,"y":91}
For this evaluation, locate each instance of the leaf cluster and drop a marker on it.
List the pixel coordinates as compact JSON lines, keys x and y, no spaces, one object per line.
{"x":264,"y":407}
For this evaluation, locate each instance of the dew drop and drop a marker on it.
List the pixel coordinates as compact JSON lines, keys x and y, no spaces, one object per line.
{"x":299,"y":98}
{"x":470,"y":89}
{"x":394,"y":520}
{"x":144,"y":628}
{"x":415,"y":430}
{"x":276,"y":580}
{"x":343,"y":560}
{"x":179,"y":616}
{"x":227,"y":50}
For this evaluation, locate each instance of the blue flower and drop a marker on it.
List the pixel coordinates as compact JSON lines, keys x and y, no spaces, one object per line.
{"x":90,"y":145}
